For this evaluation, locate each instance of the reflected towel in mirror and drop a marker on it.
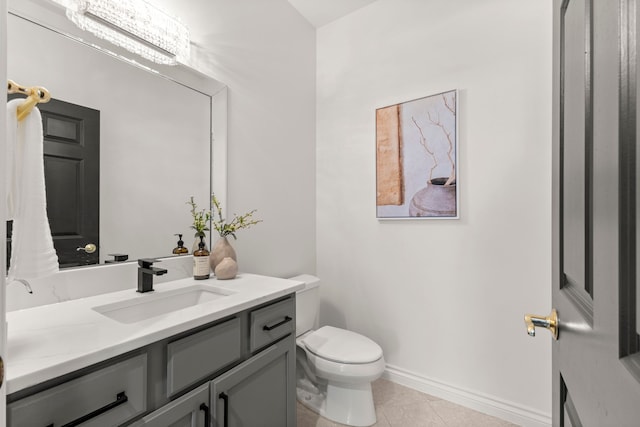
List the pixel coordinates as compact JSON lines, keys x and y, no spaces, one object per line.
{"x":32,"y":251}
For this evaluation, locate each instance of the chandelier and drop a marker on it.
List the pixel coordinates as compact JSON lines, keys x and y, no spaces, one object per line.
{"x":134,"y":25}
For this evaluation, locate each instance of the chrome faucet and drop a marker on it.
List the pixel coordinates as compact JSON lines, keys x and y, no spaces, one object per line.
{"x":146,"y":273}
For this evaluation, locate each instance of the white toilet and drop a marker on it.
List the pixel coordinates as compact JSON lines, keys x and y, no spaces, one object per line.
{"x":335,"y":367}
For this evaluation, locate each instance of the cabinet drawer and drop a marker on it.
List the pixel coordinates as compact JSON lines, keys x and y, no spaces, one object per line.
{"x":272,"y":322}
{"x":108,"y":397}
{"x":197,"y":356}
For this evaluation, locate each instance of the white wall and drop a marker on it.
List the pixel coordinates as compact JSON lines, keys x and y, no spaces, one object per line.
{"x":444,"y":298}
{"x":265,"y":52}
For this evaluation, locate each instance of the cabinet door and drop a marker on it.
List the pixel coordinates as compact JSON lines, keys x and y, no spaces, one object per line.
{"x":190,"y":410}
{"x":258,"y":392}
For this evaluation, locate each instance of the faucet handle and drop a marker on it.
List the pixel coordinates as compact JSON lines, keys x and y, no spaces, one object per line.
{"x":147,"y":262}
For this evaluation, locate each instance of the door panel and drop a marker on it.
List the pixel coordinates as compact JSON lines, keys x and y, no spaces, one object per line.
{"x":593,"y":256}
{"x":570,"y":416}
{"x":576,"y":143}
{"x":64,"y":215}
{"x":629,"y":160}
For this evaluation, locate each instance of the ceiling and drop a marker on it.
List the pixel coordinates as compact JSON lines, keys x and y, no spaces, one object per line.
{"x":321,"y":12}
{"x":317,"y":12}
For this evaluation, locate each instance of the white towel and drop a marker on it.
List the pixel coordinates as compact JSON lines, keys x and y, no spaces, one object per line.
{"x":32,"y":251}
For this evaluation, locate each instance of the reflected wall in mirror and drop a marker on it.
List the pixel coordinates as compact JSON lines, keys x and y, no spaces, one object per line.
{"x":155,"y":134}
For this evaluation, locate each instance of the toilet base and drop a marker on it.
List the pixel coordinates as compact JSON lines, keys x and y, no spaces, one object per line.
{"x":350,"y":404}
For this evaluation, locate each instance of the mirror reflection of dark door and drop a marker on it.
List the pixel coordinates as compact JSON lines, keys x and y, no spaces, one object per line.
{"x":72,"y":177}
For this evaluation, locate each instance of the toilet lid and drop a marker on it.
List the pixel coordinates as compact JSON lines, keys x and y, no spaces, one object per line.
{"x":342,"y":346}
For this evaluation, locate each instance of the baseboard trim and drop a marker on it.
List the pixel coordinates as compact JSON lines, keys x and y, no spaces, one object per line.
{"x":490,"y":405}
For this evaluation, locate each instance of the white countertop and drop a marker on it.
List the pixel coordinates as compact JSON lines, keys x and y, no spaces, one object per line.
{"x":48,"y":341}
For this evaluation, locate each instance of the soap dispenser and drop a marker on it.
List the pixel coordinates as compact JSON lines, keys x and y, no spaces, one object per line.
{"x":201,"y":266}
{"x":180,"y":249}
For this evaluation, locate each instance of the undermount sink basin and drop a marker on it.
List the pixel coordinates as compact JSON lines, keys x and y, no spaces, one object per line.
{"x":155,"y":304}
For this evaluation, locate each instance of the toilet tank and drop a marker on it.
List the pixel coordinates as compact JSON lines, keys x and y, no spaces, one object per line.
{"x":307,"y":303}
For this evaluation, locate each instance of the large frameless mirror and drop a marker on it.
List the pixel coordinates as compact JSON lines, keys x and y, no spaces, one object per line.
{"x":156,"y":129}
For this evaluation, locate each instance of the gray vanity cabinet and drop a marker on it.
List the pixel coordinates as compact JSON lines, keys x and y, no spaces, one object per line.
{"x":236,"y":371}
{"x":190,"y":410}
{"x":257,"y":392}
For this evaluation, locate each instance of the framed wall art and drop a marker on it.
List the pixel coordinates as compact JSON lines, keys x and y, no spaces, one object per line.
{"x":416,"y":158}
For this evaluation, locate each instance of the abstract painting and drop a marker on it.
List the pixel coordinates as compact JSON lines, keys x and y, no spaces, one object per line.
{"x":416,"y":158}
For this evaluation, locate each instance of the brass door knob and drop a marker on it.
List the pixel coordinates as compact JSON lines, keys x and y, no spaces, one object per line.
{"x":549,"y":322}
{"x":89,"y":248}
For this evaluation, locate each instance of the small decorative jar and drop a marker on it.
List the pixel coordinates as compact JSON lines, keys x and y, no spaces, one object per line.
{"x":226,"y":269}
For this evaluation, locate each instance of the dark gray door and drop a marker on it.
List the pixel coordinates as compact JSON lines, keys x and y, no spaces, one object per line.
{"x":72,"y":174}
{"x":596,"y":374}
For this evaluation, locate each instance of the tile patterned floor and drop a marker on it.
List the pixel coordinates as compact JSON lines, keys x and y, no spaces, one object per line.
{"x":399,"y":406}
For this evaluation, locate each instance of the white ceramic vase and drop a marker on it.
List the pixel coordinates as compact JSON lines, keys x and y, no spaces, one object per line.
{"x":221,"y":250}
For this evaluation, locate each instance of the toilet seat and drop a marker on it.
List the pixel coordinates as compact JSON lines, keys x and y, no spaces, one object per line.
{"x":342,"y":346}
